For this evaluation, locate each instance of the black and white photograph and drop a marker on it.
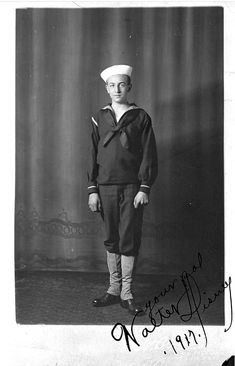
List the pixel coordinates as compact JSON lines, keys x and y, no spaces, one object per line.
{"x":119,"y":202}
{"x":119,"y":163}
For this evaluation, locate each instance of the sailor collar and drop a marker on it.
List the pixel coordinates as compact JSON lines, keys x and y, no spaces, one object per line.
{"x":132,"y":106}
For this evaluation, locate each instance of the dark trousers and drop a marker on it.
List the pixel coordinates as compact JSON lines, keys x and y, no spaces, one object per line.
{"x":123,"y":222}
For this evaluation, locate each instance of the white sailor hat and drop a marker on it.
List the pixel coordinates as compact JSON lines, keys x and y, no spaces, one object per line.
{"x":114,"y":70}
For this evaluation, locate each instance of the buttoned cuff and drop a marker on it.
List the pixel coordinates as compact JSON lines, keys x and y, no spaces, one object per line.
{"x":92,"y":189}
{"x":144,"y":188}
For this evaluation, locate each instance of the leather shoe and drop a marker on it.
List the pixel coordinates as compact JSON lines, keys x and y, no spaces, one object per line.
{"x":132,"y":307}
{"x":106,"y":300}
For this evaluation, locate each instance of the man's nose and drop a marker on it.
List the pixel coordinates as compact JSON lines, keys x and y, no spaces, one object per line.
{"x":117,"y":88}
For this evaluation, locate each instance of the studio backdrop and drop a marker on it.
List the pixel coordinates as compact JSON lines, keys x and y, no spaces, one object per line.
{"x":177,"y":59}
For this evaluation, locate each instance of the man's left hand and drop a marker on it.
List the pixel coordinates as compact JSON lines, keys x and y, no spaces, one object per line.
{"x":141,"y":198}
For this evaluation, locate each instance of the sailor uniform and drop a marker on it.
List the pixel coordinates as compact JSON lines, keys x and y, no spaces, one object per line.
{"x":122,"y":152}
{"x":122,"y":161}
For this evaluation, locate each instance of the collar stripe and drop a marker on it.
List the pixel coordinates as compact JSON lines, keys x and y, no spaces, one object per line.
{"x":93,"y":120}
{"x":130,"y":108}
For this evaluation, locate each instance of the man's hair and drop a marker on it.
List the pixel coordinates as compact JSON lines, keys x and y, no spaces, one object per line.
{"x":128,"y":79}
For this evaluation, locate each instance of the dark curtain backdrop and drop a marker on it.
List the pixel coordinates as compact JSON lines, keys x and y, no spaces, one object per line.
{"x":177,"y":56}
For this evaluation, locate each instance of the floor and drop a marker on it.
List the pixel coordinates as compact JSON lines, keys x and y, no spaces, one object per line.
{"x":54,"y":297}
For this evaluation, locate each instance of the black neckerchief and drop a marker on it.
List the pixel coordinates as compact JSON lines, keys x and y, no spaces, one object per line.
{"x":120,"y":127}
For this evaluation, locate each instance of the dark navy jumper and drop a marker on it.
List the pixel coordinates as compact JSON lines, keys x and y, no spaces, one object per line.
{"x":122,"y":161}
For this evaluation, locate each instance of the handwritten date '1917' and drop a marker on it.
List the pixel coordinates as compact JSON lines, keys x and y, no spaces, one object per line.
{"x":184,"y":341}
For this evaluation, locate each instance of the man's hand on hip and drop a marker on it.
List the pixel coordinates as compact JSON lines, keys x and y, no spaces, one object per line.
{"x":141,"y":199}
{"x":94,"y":202}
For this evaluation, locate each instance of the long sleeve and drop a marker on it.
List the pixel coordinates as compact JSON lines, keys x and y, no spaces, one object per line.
{"x":92,"y":170}
{"x":149,"y":164}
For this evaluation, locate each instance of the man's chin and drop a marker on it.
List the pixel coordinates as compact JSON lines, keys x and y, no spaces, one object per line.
{"x":118,"y":100}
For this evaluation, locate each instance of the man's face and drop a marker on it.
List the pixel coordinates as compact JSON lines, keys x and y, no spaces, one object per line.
{"x":117,"y":87}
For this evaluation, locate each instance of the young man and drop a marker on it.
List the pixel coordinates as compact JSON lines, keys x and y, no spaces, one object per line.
{"x":122,"y":167}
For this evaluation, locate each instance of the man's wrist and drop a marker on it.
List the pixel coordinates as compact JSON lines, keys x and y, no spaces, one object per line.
{"x":92,"y":189}
{"x":144,"y":188}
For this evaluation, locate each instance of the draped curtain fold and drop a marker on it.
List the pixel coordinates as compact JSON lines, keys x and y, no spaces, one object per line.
{"x":177,"y":59}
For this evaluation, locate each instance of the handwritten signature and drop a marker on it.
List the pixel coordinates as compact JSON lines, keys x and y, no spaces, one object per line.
{"x":189,"y":304}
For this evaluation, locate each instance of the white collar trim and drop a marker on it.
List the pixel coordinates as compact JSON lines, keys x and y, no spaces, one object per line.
{"x":131,"y":107}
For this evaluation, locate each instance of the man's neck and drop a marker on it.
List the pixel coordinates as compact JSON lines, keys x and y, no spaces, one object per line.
{"x":120,"y":106}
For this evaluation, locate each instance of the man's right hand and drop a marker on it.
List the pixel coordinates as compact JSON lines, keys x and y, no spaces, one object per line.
{"x":94,"y":202}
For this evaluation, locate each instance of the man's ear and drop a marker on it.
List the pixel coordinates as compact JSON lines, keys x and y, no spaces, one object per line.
{"x":130,"y":86}
{"x":106,"y":87}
